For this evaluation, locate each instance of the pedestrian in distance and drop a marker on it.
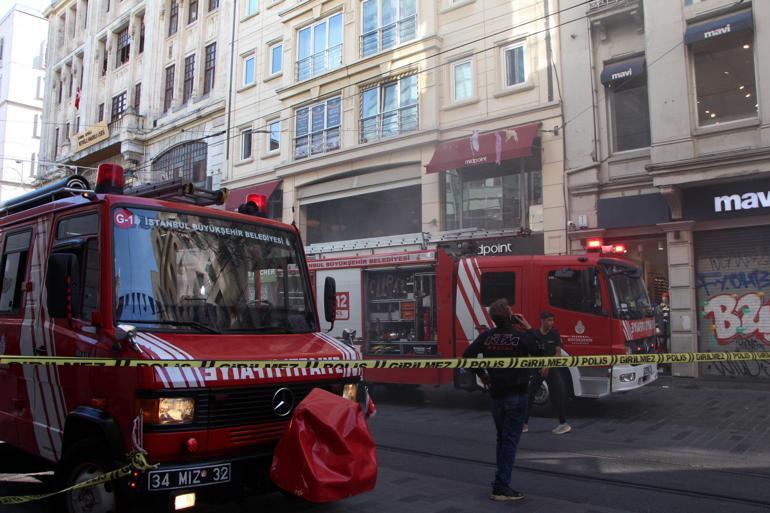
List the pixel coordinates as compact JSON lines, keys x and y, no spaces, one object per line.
{"x":549,"y":344}
{"x":511,"y":337}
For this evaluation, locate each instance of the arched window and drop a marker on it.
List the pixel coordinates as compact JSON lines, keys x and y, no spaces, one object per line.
{"x":185,"y":162}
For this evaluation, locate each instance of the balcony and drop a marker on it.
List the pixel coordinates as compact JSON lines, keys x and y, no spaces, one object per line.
{"x":319,"y":63}
{"x":389,"y":36}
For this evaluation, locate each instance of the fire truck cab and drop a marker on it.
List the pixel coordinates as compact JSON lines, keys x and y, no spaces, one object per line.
{"x":89,"y":274}
{"x":428,"y":304}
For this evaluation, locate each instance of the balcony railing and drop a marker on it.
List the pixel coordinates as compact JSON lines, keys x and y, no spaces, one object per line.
{"x":389,"y":36}
{"x":602,"y":4}
{"x":319,"y":63}
{"x":389,"y":124}
{"x":316,"y":142}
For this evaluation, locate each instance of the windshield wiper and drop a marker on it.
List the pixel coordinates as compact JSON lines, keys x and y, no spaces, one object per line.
{"x":261,"y":329}
{"x":193,"y":324}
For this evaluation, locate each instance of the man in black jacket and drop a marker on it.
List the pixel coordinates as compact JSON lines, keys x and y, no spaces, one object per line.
{"x":508,"y":388}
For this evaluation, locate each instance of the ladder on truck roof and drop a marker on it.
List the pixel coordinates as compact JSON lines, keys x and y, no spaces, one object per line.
{"x":421,"y":239}
{"x":75,"y":185}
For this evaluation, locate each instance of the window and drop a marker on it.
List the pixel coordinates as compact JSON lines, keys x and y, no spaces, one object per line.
{"x":361,"y":215}
{"x":90,"y":301}
{"x":107,"y":6}
{"x":494,"y":197}
{"x":56,"y":143}
{"x":575,"y":290}
{"x":36,"y":126}
{"x":317,"y":128}
{"x":320,"y":47}
{"x":514,"y":64}
{"x":248,"y":70}
{"x":77,"y":124}
{"x":105,"y":56}
{"x":78,"y":226}
{"x":213,"y":4}
{"x":192,"y":11}
{"x":69,"y":85}
{"x":67,"y":132}
{"x":498,"y":285}
{"x":118,"y":106}
{"x":100,"y":114}
{"x":168,"y":95}
{"x":141,"y":36}
{"x":2,"y":48}
{"x":246,"y":143}
{"x":389,"y":109}
{"x":630,"y":113}
{"x":387,"y":23}
{"x":185,"y":161}
{"x":252,"y":6}
{"x":40,"y":90}
{"x":724,"y":78}
{"x":274,"y":135}
{"x":173,"y":18}
{"x":462,"y":80}
{"x":84,"y":10}
{"x":189,"y":78}
{"x":85,"y":271}
{"x":61,"y":90}
{"x":210,"y":68}
{"x":137,"y":97}
{"x":276,"y":59}
{"x":124,"y":47}
{"x":14,"y":270}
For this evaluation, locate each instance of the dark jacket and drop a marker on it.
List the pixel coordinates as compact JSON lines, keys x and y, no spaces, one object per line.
{"x":504,"y":342}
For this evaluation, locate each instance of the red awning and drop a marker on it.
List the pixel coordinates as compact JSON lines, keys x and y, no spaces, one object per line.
{"x":238,"y":196}
{"x":488,"y":148}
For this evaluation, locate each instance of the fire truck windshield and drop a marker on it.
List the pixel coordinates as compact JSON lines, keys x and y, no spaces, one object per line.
{"x":177,"y":271}
{"x":629,"y":295}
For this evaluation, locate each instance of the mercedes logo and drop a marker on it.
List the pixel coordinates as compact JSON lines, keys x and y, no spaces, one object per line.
{"x":283,"y":402}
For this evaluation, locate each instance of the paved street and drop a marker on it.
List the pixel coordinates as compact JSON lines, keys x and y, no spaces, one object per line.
{"x":675,"y":446}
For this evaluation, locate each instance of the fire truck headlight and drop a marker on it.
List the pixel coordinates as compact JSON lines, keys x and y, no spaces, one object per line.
{"x":167,"y":410}
{"x":350,"y":391}
{"x":627,"y":378}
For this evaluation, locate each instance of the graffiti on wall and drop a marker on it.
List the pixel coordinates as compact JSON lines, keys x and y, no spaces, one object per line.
{"x":734,"y":297}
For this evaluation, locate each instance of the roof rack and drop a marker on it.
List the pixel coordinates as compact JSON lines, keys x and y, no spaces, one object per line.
{"x":180,"y":191}
{"x":59,"y":189}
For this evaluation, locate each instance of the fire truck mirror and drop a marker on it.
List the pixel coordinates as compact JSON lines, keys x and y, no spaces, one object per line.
{"x":63,"y":284}
{"x":330,"y":299}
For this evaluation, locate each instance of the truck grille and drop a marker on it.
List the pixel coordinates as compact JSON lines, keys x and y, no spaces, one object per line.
{"x":225,"y":407}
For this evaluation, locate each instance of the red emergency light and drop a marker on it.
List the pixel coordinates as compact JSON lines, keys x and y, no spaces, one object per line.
{"x":594,"y":245}
{"x":255,"y":205}
{"x":110,"y":179}
{"x":619,"y":248}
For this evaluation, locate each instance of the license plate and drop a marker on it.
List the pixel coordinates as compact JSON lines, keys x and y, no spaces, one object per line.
{"x":189,"y":477}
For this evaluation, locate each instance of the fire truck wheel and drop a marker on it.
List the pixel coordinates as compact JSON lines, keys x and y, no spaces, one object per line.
{"x":85,"y":460}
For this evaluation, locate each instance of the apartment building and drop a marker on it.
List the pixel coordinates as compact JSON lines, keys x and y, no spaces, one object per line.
{"x":668,"y":151}
{"x":376,"y":125}
{"x":23,"y":33}
{"x":139,"y":83}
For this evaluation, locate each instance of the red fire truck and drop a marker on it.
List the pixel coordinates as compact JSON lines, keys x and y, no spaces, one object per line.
{"x":102,"y":274}
{"x":426,"y":303}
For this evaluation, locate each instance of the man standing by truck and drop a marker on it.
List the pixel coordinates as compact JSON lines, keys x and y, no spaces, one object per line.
{"x":549,"y":343}
{"x":508,"y":388}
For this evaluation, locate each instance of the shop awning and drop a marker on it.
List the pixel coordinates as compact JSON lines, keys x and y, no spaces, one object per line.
{"x":238,"y":196}
{"x":619,"y":72}
{"x":720,"y":27}
{"x":488,"y":148}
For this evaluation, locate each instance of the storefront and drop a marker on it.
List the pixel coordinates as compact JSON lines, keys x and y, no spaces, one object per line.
{"x":732,"y":271}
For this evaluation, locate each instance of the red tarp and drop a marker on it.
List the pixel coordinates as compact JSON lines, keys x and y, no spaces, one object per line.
{"x":327,"y":453}
{"x":488,"y":148}
{"x":237,"y":197}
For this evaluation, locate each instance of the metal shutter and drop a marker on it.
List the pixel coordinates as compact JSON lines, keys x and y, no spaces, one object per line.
{"x":732,"y":279}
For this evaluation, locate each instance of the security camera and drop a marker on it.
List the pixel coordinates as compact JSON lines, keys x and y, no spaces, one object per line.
{"x":571,"y":225}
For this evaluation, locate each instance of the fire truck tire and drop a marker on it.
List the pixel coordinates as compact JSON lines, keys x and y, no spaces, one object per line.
{"x":84,"y":460}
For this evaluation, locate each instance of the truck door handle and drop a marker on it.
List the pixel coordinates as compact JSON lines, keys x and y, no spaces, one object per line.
{"x":40,"y":351}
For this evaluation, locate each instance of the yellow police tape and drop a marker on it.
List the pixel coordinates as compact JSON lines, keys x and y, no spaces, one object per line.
{"x":138,"y":462}
{"x":402,"y":363}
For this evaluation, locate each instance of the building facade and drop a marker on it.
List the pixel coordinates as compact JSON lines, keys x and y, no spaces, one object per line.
{"x":377,"y":125}
{"x":23,"y":33}
{"x":139,"y":83}
{"x":668,"y":151}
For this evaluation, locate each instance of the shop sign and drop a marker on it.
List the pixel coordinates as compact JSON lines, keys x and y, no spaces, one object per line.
{"x":92,"y":135}
{"x":726,"y":201}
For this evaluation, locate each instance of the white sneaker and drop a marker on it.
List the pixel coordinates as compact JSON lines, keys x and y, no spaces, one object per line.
{"x":561,"y":429}
{"x":525,"y":428}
